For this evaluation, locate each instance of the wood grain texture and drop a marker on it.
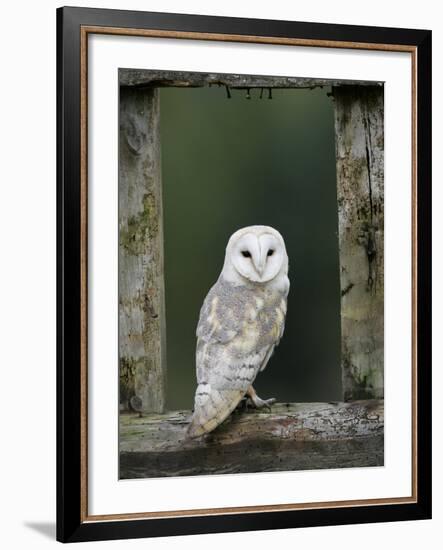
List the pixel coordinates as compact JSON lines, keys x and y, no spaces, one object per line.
{"x":156,"y":78}
{"x":141,"y":285}
{"x":359,"y":130}
{"x":291,"y":437}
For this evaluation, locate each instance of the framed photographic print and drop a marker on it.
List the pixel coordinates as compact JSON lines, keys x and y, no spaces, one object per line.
{"x":244,"y":282}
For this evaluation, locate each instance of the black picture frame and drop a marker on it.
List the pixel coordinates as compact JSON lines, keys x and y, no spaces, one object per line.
{"x":71,"y":524}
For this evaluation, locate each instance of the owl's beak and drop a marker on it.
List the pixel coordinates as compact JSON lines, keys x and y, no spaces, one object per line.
{"x":259,"y":267}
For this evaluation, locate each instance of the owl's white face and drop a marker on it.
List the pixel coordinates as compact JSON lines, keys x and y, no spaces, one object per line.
{"x":257,"y":253}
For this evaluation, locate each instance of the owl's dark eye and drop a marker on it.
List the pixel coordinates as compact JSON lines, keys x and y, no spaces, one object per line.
{"x":246,"y":253}
{"x":270,"y":252}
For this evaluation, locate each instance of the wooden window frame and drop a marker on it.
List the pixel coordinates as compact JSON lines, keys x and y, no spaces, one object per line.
{"x":302,"y":435}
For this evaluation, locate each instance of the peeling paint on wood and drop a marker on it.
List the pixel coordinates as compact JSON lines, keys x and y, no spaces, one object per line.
{"x":141,"y":285}
{"x":302,"y":436}
{"x":359,"y":129}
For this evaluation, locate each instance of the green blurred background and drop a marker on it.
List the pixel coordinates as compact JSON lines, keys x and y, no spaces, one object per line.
{"x":229,"y":163}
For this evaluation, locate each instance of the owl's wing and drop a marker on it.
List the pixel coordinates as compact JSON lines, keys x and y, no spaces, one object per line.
{"x":226,"y":364}
{"x":220,"y":316}
{"x":223,"y":379}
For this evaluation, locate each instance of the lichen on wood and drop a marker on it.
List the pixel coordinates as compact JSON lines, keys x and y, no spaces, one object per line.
{"x":141,"y":285}
{"x":186,"y":79}
{"x":293,"y":436}
{"x":359,"y":134}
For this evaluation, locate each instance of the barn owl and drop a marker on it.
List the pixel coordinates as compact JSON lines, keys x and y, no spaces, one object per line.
{"x":241,"y":321}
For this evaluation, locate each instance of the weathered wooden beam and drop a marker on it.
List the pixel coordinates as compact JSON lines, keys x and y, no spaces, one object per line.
{"x":290,"y":437}
{"x":159,"y":79}
{"x":359,"y":121}
{"x":141,"y":285}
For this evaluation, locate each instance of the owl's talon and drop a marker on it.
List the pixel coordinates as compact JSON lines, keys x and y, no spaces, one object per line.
{"x":262,"y":403}
{"x":270,"y":402}
{"x":257,"y":401}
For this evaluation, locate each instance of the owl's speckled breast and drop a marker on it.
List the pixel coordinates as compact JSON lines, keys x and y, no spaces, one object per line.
{"x":264,"y":318}
{"x":254,"y":316}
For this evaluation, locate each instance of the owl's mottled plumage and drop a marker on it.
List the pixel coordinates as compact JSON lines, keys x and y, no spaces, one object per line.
{"x":241,"y":321}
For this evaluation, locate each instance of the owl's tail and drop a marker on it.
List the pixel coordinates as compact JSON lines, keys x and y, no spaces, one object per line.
{"x":212,"y":407}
